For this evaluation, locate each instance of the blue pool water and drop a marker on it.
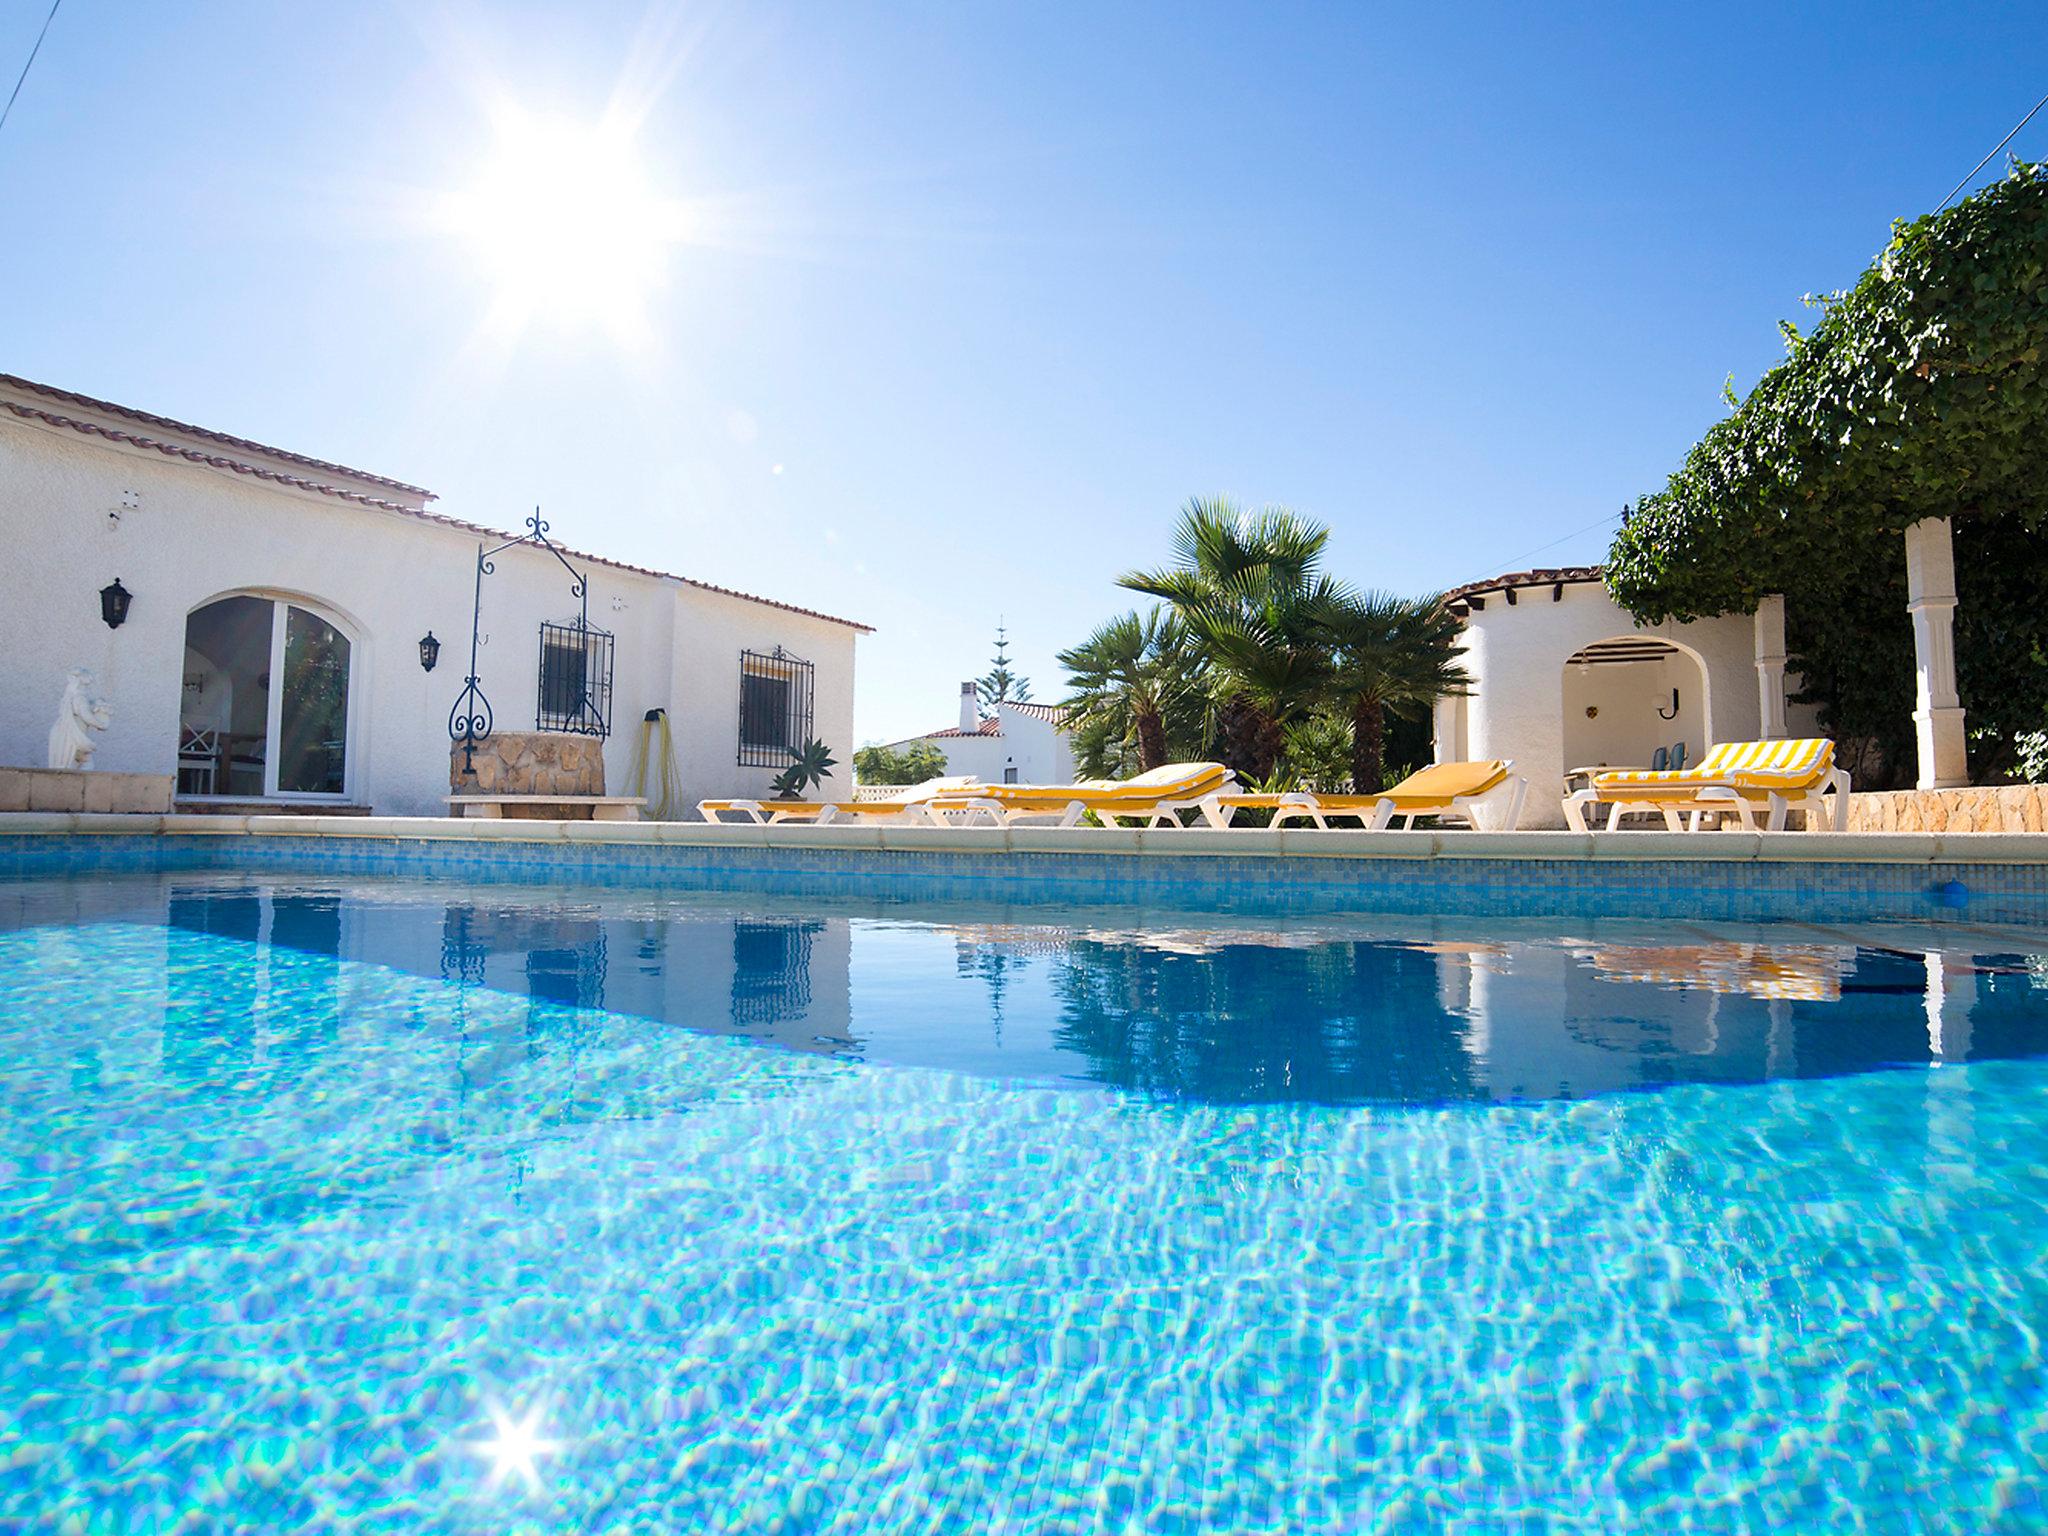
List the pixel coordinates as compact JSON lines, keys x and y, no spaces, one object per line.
{"x":387,"y":1206}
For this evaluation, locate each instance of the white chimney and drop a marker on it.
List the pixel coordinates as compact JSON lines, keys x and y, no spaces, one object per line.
{"x":970,"y":708}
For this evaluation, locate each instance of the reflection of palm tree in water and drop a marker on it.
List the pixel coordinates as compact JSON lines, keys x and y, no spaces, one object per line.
{"x":993,"y":965}
{"x":1344,"y":1023}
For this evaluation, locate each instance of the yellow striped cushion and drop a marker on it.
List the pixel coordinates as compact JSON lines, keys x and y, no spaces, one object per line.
{"x":1789,"y":764}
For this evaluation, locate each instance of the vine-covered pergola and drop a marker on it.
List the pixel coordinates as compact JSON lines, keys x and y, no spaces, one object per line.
{"x":1914,"y":413}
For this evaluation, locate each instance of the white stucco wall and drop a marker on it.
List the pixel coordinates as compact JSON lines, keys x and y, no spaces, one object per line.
{"x":1629,"y":700}
{"x":1517,"y":653}
{"x":710,"y":632}
{"x":196,"y":533}
{"x":1038,"y":751}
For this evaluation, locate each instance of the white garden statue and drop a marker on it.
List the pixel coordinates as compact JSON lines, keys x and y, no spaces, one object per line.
{"x":81,"y":713}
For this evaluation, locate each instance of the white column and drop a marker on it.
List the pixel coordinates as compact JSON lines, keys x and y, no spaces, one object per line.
{"x":1931,"y":599}
{"x":1449,"y":728}
{"x":1770,"y":667}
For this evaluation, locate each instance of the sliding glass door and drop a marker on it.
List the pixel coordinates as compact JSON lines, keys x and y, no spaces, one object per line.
{"x":265,"y":712}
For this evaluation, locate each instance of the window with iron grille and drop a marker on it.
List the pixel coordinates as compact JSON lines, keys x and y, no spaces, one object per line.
{"x":775,"y":707}
{"x":771,"y":972}
{"x":575,"y":680}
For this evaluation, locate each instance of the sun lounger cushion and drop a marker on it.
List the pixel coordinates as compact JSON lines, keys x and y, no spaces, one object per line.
{"x":1758,"y":766}
{"x":1438,"y":785}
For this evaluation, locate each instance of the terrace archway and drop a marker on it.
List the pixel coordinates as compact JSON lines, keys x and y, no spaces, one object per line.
{"x":1627,"y":697}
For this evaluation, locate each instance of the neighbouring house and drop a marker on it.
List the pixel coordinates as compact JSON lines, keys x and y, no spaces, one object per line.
{"x":1565,"y":679}
{"x":1018,"y":744}
{"x":271,"y":652}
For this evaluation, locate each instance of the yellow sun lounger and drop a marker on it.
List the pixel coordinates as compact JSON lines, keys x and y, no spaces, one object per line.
{"x":1151,"y":799}
{"x":1445,"y":790}
{"x":901,"y":805}
{"x":1738,"y":777}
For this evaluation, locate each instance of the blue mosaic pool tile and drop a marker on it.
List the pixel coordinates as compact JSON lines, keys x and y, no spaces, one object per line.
{"x":1706,"y":889}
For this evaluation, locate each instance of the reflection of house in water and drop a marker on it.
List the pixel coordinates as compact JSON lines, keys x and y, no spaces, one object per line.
{"x":1239,"y":1016}
{"x":768,"y":978}
{"x":1391,"y":1010}
{"x":779,"y":980}
{"x":1586,"y":1019}
{"x":771,"y":974}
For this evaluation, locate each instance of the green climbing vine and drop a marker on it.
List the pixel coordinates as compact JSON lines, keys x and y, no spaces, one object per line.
{"x":1921,"y":391}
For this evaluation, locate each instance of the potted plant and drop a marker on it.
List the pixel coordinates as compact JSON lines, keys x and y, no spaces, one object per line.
{"x":811,"y":763}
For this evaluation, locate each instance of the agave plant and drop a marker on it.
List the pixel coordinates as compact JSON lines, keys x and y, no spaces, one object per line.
{"x":811,"y":763}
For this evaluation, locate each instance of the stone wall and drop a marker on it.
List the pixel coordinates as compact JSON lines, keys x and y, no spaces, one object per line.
{"x":531,"y":763}
{"x":2005,"y":808}
{"x":84,"y":789}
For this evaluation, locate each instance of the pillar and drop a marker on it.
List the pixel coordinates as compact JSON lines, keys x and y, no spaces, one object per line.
{"x":1770,"y":667}
{"x":1931,"y":600}
{"x":1450,"y":729}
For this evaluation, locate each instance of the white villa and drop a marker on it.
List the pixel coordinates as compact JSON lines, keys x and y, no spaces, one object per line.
{"x":1018,"y":744}
{"x":1565,"y":679}
{"x":255,"y":622}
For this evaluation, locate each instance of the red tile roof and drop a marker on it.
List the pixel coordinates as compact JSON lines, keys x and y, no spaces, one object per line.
{"x":1052,"y":714}
{"x":129,"y":413}
{"x":1055,"y":714}
{"x":1560,"y":575}
{"x":343,"y":493}
{"x":989,"y":727}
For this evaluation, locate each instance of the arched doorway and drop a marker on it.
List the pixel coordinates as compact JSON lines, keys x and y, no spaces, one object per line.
{"x":1626,"y":698}
{"x":265,"y":710}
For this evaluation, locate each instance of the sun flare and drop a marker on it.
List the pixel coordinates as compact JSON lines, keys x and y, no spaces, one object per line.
{"x":566,"y":226}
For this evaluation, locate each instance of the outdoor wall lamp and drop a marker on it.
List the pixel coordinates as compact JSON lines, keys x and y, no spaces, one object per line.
{"x":114,"y":601}
{"x":430,"y":652}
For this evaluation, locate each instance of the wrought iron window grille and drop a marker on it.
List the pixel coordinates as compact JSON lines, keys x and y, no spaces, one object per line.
{"x":777,"y":691}
{"x":575,"y":680}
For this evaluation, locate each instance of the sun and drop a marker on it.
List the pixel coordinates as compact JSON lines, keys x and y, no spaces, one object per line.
{"x":565,"y":226}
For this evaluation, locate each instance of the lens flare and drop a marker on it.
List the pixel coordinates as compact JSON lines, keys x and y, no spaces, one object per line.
{"x":566,"y":226}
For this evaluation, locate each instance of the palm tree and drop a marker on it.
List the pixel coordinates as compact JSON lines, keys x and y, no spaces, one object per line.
{"x":1135,"y":684}
{"x":1391,"y":654}
{"x":1247,"y":586}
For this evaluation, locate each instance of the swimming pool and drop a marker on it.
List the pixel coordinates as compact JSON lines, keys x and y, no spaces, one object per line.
{"x":413,"y":1205}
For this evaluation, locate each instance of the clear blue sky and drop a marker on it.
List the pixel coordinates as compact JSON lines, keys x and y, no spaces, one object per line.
{"x":998,"y":287}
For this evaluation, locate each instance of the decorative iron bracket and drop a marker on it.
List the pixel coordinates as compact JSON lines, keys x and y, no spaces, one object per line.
{"x":470,"y":721}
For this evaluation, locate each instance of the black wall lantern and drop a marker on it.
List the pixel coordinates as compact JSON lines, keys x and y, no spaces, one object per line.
{"x":430,"y":652}
{"x":114,"y":601}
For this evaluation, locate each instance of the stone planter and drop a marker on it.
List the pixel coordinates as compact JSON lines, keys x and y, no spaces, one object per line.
{"x":2002,"y":808}
{"x":530,"y":763}
{"x":84,"y":789}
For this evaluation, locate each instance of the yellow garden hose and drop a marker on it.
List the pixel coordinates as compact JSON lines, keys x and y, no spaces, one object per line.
{"x":654,"y":756}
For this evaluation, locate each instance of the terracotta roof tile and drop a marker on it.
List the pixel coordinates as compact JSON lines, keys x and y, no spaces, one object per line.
{"x":1563,"y":574}
{"x":987,"y":728}
{"x":129,"y":413}
{"x":1055,"y":714}
{"x":323,"y":488}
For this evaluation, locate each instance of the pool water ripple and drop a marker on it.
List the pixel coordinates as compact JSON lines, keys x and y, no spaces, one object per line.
{"x":280,"y":1227}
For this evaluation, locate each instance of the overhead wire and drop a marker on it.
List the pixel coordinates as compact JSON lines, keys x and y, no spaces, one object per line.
{"x":22,"y":78}
{"x":2016,"y":127}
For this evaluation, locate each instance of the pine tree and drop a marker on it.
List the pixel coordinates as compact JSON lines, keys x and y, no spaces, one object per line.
{"x":1000,"y":685}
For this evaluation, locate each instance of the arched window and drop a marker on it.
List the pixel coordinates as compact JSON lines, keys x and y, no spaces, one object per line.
{"x":265,"y":712}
